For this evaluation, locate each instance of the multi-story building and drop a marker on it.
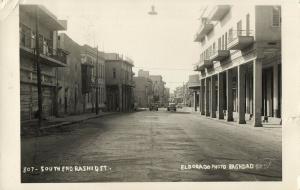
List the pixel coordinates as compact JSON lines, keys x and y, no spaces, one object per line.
{"x":36,"y":19}
{"x":119,"y":82}
{"x":194,"y":88}
{"x":240,"y":62}
{"x":142,"y":73}
{"x":158,"y":89}
{"x":69,"y":96}
{"x":93,"y":78}
{"x":166,"y":96}
{"x":143,"y":94}
{"x":182,"y":94}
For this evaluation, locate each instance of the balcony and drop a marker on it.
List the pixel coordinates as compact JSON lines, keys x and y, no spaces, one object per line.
{"x":240,"y":39}
{"x":218,"y":12}
{"x":48,"y":55}
{"x":219,"y":55}
{"x":204,"y":29}
{"x":208,"y":63}
{"x":199,"y":66}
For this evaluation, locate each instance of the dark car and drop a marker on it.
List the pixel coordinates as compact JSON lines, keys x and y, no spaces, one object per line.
{"x":180,"y":105}
{"x":153,"y":107}
{"x":171,"y":107}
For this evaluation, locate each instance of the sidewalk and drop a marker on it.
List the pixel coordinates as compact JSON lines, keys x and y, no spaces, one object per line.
{"x":272,"y":123}
{"x":29,"y":127}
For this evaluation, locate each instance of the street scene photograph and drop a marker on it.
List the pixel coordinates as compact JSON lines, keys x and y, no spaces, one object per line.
{"x":149,"y":91}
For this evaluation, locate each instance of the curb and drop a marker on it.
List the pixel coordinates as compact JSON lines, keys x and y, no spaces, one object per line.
{"x":77,"y":121}
{"x":231,"y":123}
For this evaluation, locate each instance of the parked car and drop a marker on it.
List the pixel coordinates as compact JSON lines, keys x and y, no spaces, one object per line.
{"x":153,"y":107}
{"x":180,"y":105}
{"x":171,"y":107}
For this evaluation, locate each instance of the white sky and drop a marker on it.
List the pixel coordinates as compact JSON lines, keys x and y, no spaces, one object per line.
{"x":162,"y":44}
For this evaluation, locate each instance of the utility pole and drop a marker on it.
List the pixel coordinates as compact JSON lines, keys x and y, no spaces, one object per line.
{"x":96,"y":84}
{"x":37,"y":56}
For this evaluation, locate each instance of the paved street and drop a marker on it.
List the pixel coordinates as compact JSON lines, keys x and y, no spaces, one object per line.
{"x":154,"y":146}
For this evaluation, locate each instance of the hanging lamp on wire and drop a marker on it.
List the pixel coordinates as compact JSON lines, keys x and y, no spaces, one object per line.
{"x":152,"y":11}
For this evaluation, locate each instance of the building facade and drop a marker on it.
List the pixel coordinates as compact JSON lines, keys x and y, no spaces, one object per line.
{"x":194,"y":88}
{"x":158,"y":89}
{"x":183,"y":95}
{"x":37,"y":19}
{"x":119,"y":82}
{"x":240,"y":62}
{"x":69,"y":88}
{"x":142,"y":73}
{"x":166,"y":96}
{"x":143,"y":94}
{"x":93,"y":78}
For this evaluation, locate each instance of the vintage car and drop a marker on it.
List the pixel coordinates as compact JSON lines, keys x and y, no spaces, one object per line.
{"x":171,"y":107}
{"x":180,"y":105}
{"x":153,"y":107}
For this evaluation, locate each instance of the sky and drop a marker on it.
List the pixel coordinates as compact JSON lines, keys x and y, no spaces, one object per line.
{"x":162,"y":44}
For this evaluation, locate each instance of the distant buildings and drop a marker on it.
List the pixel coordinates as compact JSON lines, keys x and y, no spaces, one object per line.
{"x":143,"y":93}
{"x":119,"y":82}
{"x":142,"y":73}
{"x":150,"y":89}
{"x":158,"y":89}
{"x":166,"y":96}
{"x":183,"y":95}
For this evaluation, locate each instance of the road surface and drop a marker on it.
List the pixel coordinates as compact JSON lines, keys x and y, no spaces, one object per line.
{"x":153,"y":146}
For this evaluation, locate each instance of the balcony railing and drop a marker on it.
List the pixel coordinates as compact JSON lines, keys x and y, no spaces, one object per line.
{"x":58,"y":57}
{"x":240,"y":39}
{"x":219,"y":55}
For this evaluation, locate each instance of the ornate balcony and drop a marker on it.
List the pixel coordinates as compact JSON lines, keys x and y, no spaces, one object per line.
{"x":48,"y":55}
{"x":219,"y":55}
{"x":240,"y":39}
{"x":218,"y":12}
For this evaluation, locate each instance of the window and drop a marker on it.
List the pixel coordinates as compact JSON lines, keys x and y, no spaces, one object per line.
{"x":219,"y":44}
{"x":114,"y":73}
{"x":276,"y":17}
